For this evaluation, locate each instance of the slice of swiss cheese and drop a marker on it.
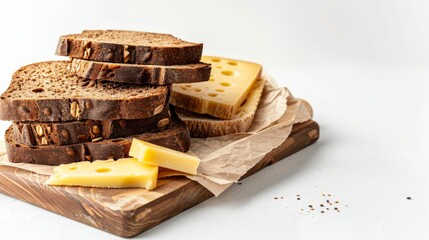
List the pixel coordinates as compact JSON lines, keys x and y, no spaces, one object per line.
{"x":221,"y":96}
{"x":122,"y":173}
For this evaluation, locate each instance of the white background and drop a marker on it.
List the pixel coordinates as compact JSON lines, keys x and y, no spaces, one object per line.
{"x":363,"y":65}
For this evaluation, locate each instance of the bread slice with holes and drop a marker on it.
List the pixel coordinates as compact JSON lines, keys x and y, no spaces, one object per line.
{"x":72,"y":132}
{"x":141,"y":74}
{"x":129,"y":47}
{"x":220,"y":97}
{"x":47,"y":92}
{"x":175,"y":136}
{"x":206,"y":126}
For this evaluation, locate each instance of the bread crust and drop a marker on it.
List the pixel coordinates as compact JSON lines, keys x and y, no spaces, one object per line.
{"x":202,"y":126}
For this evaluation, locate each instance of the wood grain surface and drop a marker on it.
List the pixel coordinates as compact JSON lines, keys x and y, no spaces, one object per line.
{"x":128,"y":212}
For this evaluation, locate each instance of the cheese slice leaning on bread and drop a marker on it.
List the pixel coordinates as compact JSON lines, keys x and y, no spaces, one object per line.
{"x":221,"y":97}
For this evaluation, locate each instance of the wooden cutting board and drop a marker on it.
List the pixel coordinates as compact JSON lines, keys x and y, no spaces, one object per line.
{"x":128,"y":212}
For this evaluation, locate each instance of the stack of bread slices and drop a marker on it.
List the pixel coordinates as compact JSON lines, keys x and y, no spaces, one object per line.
{"x":115,"y":87}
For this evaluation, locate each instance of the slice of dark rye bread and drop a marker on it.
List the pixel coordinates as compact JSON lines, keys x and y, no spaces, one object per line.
{"x":129,"y":47}
{"x":48,"y":92}
{"x":174,"y":136}
{"x":141,"y":74}
{"x":66,"y":133}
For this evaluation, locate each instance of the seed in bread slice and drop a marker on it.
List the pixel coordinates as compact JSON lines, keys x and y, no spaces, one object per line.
{"x":206,"y":126}
{"x":71,"y":132}
{"x":220,"y":97}
{"x":47,"y":92}
{"x":141,"y":74}
{"x":175,"y":136}
{"x":129,"y":47}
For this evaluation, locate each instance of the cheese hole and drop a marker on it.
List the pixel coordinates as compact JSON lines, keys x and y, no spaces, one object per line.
{"x":225,"y":84}
{"x":215,"y":60}
{"x":212,"y":94}
{"x":227,"y":72}
{"x":211,"y":79}
{"x":219,"y":90}
{"x":57,"y":176}
{"x":103,"y":170}
{"x":232,"y":63}
{"x":218,"y":66}
{"x":188,"y":85}
{"x":73,"y":168}
{"x":183,"y":88}
{"x":197,"y":90}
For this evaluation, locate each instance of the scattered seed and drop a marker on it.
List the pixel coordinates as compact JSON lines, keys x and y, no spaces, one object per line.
{"x":310,"y":206}
{"x":335,"y":208}
{"x":409,"y":198}
{"x":322,"y":211}
{"x":239,"y":183}
{"x":298,"y":199}
{"x":276,"y":198}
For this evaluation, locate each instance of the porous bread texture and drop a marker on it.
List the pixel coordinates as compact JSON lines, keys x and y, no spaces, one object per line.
{"x":131,"y":38}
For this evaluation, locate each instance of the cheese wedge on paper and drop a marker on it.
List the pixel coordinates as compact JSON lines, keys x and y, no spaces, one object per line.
{"x":122,"y":173}
{"x":164,"y":157}
{"x":221,"y":96}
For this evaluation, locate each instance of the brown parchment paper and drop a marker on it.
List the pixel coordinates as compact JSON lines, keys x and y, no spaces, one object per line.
{"x":225,"y":159}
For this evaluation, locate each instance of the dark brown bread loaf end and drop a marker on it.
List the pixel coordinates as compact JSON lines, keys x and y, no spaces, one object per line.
{"x":129,"y":47}
{"x":141,"y":74}
{"x":47,"y":92}
{"x":175,"y":136}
